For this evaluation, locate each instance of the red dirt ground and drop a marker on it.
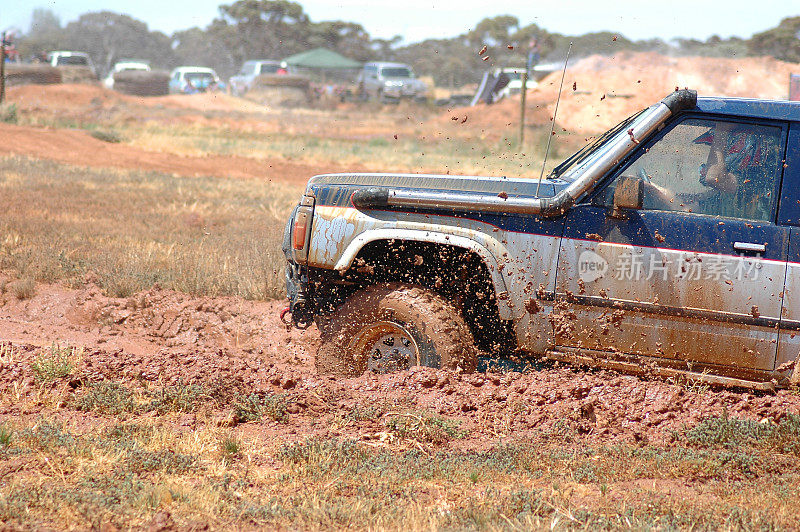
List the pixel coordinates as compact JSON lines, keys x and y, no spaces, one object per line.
{"x":77,"y":147}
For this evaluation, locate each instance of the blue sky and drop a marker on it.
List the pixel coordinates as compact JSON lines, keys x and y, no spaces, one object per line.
{"x":416,"y":20}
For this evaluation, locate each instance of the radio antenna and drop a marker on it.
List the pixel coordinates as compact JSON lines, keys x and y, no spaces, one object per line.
{"x":553,"y":125}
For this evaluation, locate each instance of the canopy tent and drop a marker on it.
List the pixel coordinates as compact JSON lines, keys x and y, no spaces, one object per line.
{"x":321,"y":58}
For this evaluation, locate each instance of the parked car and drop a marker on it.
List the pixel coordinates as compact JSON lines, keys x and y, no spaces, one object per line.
{"x":194,"y":79}
{"x":669,"y":245}
{"x":243,"y":81}
{"x":124,"y":66}
{"x":514,"y":85}
{"x":65,"y":58}
{"x":389,"y":81}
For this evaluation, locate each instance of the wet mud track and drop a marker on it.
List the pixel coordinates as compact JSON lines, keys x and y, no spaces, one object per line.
{"x":231,"y":348}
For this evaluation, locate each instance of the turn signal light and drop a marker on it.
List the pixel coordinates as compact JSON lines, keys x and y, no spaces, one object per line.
{"x":300,"y":230}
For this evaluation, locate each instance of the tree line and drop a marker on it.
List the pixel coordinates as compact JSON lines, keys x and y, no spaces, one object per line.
{"x":275,"y":29}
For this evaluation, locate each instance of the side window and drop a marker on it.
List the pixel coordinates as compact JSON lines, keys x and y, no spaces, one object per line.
{"x":711,"y":167}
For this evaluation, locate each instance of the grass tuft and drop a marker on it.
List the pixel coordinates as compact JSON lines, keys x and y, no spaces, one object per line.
{"x":5,"y":435}
{"x":256,"y":408}
{"x":56,"y":362}
{"x":178,"y":398}
{"x":230,"y":446}
{"x":9,"y":113}
{"x":421,"y":427}
{"x":106,"y":397}
{"x":106,"y":136}
{"x":23,"y":289}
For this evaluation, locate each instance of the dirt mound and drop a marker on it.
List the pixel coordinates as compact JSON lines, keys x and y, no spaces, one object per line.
{"x":62,"y":96}
{"x":77,"y":74}
{"x":80,"y":148}
{"x":142,"y":83}
{"x":74,"y":95}
{"x":32,"y":74}
{"x":600,"y":91}
{"x":207,"y":101}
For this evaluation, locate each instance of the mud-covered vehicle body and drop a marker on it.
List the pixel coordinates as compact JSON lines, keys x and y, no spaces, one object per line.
{"x":668,"y":245}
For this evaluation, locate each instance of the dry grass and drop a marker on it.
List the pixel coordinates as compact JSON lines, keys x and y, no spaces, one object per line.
{"x":88,"y":473}
{"x":414,"y":150}
{"x":204,"y":236}
{"x":119,"y":454}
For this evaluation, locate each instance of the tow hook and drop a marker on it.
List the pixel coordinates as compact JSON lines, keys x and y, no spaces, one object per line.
{"x":284,"y":312}
{"x":300,"y":318}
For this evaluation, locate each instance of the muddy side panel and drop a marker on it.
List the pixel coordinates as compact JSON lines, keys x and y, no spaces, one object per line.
{"x":671,"y":284}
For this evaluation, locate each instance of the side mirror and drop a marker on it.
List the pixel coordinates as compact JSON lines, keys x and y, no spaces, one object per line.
{"x":628,"y":194}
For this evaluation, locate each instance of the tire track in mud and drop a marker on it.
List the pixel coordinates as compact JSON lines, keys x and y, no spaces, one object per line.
{"x":232,"y":347}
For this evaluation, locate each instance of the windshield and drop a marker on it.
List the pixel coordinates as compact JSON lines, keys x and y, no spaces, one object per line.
{"x":583,"y":154}
{"x":199,"y":78}
{"x":72,"y":60}
{"x":268,"y":68}
{"x":396,"y":72}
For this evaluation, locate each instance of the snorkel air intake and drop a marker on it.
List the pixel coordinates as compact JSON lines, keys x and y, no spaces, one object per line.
{"x":583,"y":177}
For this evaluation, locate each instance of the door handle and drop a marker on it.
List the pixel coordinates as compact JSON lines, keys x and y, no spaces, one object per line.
{"x":749,"y":247}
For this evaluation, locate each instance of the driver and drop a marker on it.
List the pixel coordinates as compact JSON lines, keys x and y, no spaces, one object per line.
{"x":736,"y":170}
{"x":734,"y":174}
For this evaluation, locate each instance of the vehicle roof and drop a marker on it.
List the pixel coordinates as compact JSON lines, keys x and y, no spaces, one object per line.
{"x":269,"y":61}
{"x":750,"y":107}
{"x":195,"y":69}
{"x":67,"y":52}
{"x":381,"y":64}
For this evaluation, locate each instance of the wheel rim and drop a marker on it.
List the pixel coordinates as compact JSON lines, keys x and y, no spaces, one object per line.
{"x":387,"y":347}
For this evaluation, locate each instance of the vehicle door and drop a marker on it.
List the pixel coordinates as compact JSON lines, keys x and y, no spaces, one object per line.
{"x":695,"y":274}
{"x":789,"y":215}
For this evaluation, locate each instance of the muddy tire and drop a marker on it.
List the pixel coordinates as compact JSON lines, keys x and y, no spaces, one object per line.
{"x":390,"y":327}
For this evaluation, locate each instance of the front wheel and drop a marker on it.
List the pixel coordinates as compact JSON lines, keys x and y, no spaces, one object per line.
{"x":388,"y":328}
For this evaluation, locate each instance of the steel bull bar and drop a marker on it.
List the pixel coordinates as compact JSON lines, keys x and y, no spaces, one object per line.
{"x":583,"y":178}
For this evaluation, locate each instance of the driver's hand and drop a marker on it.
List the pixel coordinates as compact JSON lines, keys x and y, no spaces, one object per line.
{"x":721,"y":180}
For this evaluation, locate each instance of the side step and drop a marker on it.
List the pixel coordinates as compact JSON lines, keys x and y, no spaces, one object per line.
{"x":580,"y":358}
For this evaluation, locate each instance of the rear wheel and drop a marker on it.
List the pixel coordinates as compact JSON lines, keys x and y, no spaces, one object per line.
{"x":388,"y":328}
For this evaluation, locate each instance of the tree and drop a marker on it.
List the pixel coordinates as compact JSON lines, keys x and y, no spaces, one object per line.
{"x":495,"y":31}
{"x":108,"y":37}
{"x":263,"y":29}
{"x":347,"y":38}
{"x":45,"y":33}
{"x":782,"y":42}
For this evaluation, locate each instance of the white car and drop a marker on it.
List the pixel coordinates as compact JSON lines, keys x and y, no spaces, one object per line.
{"x":193,"y":79}
{"x":64,"y":58}
{"x":124,"y":66}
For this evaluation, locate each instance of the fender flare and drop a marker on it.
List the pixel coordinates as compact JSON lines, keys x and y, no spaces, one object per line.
{"x":348,"y":256}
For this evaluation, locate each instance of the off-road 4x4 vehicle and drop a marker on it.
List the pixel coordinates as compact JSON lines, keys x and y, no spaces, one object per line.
{"x":670,"y":244}
{"x":390,"y":81}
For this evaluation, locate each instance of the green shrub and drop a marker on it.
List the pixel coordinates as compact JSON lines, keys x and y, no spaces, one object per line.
{"x":255,"y":407}
{"x":56,"y":362}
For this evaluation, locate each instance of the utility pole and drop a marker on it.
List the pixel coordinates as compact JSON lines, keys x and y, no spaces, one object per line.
{"x":522,"y":108}
{"x":530,"y":61}
{"x":3,"y":69}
